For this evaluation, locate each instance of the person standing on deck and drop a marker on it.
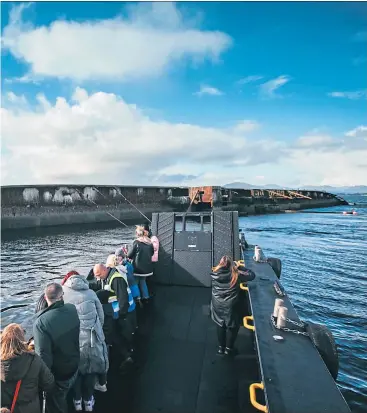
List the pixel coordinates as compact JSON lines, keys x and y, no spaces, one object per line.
{"x":113,"y":282}
{"x":21,"y":365}
{"x":131,"y":323}
{"x":56,"y":340}
{"x":141,"y":254}
{"x":93,"y":350}
{"x":225,"y":304}
{"x":155,"y":242}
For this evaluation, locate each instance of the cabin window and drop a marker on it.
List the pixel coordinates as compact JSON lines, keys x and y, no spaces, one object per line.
{"x":207,"y":223}
{"x":140,"y":191}
{"x":193,"y":223}
{"x":178,"y":224}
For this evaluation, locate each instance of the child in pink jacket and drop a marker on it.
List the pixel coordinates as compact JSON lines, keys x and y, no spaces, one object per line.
{"x":155,"y":242}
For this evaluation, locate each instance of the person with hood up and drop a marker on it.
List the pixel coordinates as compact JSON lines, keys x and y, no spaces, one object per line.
{"x":225,"y":303}
{"x":23,"y":373}
{"x":93,"y":349}
{"x":141,"y":255}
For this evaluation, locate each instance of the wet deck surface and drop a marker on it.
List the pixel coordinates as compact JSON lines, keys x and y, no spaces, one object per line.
{"x":177,"y":369}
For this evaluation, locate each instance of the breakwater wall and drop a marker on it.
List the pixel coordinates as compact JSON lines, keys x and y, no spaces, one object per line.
{"x":51,"y":205}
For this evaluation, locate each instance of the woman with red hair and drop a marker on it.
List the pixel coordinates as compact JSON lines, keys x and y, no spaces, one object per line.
{"x":225,"y":311}
{"x":23,"y":373}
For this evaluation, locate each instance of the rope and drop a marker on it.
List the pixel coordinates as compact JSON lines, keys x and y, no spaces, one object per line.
{"x":123,"y":223}
{"x":129,"y":203}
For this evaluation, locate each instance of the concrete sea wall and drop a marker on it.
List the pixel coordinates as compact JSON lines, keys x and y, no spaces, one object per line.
{"x":52,"y":205}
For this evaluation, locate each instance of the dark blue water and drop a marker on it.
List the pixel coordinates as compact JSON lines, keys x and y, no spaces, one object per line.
{"x":324,"y":272}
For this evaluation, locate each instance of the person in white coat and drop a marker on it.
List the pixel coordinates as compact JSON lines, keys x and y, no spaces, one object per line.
{"x":94,"y":364}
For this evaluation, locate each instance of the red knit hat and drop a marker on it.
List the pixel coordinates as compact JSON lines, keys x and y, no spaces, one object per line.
{"x":68,"y":275}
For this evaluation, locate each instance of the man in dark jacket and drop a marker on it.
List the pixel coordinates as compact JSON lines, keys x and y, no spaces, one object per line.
{"x":56,"y":339}
{"x":112,"y":281}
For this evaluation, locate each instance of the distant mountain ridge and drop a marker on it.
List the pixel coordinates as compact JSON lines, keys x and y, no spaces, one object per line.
{"x":358,"y":189}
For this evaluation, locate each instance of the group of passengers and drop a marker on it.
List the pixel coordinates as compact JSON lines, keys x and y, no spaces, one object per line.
{"x":77,"y":323}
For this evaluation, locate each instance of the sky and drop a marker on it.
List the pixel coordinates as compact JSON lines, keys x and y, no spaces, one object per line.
{"x":187,"y":93}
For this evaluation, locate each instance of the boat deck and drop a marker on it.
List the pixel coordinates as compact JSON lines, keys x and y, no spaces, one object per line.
{"x":177,"y":369}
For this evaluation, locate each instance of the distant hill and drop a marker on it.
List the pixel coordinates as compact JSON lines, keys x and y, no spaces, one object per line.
{"x":358,"y":189}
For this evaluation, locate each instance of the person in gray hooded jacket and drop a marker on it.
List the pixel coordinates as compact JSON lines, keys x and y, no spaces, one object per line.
{"x":93,"y":349}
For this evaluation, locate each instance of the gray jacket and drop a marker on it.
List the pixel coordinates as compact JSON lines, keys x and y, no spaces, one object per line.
{"x":93,"y":350}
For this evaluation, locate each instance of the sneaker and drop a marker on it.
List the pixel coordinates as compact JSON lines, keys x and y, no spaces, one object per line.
{"x":100,"y":387}
{"x":89,"y":404}
{"x":78,"y":405}
{"x":230,"y":351}
{"x":220,"y":350}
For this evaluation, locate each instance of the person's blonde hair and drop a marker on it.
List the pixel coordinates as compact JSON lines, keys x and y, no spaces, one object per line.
{"x":140,"y":231}
{"x":111,"y":261}
{"x":13,"y":342}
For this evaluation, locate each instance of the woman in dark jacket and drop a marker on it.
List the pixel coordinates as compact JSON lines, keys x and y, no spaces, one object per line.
{"x":225,"y":304}
{"x":19,"y":363}
{"x":141,"y":254}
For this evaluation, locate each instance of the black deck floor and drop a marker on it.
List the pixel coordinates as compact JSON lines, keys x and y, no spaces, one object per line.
{"x":177,"y":369}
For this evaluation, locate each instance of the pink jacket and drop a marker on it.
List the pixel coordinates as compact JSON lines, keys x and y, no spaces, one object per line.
{"x":155,"y":242}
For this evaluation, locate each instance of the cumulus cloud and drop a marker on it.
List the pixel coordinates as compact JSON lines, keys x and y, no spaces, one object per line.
{"x":269,"y":88}
{"x":208,"y":90}
{"x":358,"y":132}
{"x":352,"y":95}
{"x":143,"y":44}
{"x":101,"y":139}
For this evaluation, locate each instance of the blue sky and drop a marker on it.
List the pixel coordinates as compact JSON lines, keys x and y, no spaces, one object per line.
{"x":295,"y":70}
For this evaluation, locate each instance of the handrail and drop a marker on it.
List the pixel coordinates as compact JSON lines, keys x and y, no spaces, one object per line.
{"x":246,"y":324}
{"x":244,"y":287}
{"x":253,"y":400}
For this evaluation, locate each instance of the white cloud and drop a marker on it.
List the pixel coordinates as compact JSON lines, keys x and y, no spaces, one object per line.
{"x":352,"y":95}
{"x":249,"y":79}
{"x":208,"y":90}
{"x":359,"y":132}
{"x":100,"y":139}
{"x":269,"y":88}
{"x":15,"y":99}
{"x":314,"y":141}
{"x":144,"y":44}
{"x":246,"y":126}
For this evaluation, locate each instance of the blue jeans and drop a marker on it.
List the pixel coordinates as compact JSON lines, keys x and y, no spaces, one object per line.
{"x":142,"y":286}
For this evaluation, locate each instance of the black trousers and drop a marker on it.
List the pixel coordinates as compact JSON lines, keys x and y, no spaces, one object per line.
{"x":122,"y":342}
{"x":227,"y":336}
{"x":84,"y":386}
{"x":130,"y":328}
{"x":56,"y":398}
